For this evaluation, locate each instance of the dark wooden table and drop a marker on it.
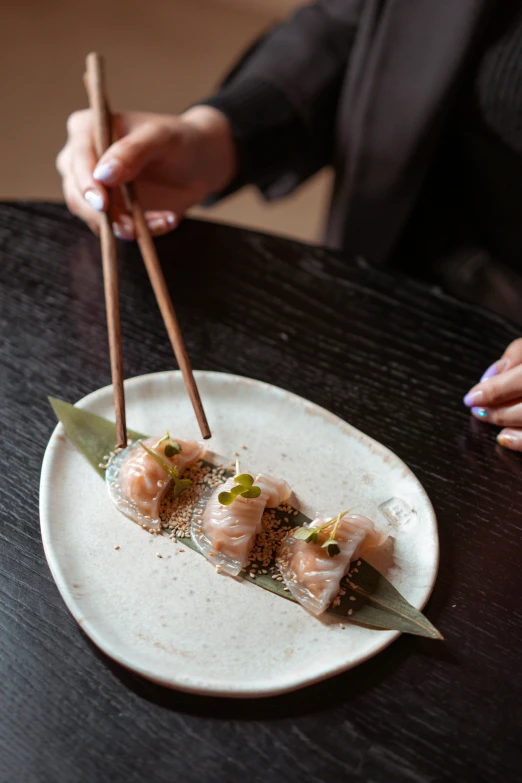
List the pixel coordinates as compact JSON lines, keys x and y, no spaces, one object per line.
{"x":390,"y":356}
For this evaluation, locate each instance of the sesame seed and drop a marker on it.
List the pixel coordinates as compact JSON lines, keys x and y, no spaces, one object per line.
{"x":350,"y":611}
{"x":353,"y":598}
{"x":342,"y":626}
{"x":181,"y":549}
{"x":358,"y":562}
{"x":158,"y":554}
{"x":116,"y":546}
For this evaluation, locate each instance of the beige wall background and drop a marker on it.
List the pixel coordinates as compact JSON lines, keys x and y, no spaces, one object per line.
{"x":161,"y":56}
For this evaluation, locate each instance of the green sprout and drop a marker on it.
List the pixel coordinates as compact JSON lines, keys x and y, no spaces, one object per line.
{"x":310,"y":535}
{"x":171,"y":448}
{"x":179,"y":484}
{"x":244,"y":487}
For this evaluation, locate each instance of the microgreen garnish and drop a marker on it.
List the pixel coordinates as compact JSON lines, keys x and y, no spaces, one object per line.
{"x":172,"y":448}
{"x":307,"y":534}
{"x":244,"y":487}
{"x":163,"y":439}
{"x":171,"y":470}
{"x":331,"y":546}
{"x":310,"y":535}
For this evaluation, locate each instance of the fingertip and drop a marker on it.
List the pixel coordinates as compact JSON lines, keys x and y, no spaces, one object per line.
{"x":95,"y":199}
{"x":510,"y":439}
{"x":123,"y":228}
{"x":161,"y":223}
{"x":109,"y":171}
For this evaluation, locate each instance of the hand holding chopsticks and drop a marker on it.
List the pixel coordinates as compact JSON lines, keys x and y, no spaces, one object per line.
{"x":94,"y":81}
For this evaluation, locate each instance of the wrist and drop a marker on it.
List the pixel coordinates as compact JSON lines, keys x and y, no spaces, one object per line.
{"x":214,"y":146}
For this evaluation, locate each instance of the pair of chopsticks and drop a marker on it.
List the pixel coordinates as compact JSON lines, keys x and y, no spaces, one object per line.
{"x":95,"y":86}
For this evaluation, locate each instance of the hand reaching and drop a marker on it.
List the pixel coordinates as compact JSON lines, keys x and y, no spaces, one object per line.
{"x":497,"y":399}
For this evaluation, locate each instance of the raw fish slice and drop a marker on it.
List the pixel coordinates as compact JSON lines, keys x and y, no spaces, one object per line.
{"x":311,"y":575}
{"x":137,"y":483}
{"x":226,"y":534}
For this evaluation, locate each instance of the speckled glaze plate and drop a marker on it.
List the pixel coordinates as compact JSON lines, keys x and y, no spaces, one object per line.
{"x":175,"y":620}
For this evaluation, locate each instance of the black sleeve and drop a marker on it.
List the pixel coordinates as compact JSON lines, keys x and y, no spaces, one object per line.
{"x":281,"y":98}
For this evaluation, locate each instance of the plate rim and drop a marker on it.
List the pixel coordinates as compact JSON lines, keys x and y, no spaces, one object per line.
{"x":190,"y":684}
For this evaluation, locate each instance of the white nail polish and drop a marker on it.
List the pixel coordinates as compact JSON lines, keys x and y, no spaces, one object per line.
{"x":158,"y":224}
{"x":94,"y":200}
{"x":105,"y":172}
{"x":122,"y":231}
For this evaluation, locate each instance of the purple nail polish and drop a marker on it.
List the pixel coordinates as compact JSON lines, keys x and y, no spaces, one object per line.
{"x":480,"y":412}
{"x":473,"y":398}
{"x":490,"y":372}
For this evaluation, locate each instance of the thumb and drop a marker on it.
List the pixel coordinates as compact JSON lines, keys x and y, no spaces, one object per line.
{"x":124,"y":159}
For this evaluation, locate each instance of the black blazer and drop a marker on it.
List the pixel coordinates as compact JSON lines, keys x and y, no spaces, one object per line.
{"x":365,"y":85}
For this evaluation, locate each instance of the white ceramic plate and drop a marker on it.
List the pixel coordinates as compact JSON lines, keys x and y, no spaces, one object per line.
{"x":175,"y":620}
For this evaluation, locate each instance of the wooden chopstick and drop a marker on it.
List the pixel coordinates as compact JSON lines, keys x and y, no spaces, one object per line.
{"x":159,"y":285}
{"x":157,"y":279}
{"x":95,"y":86}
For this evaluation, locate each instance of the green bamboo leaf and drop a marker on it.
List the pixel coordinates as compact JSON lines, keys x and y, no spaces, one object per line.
{"x":372,"y":601}
{"x":376,"y":600}
{"x":93,"y":435}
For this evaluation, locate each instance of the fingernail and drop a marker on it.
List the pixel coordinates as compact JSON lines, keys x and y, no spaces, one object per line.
{"x":107,"y":172}
{"x":160,"y":225}
{"x":502,"y":365}
{"x":94,"y":200}
{"x":490,"y":372}
{"x":123,"y":229}
{"x":482,"y":413}
{"x":473,"y":398}
{"x":508,"y":439}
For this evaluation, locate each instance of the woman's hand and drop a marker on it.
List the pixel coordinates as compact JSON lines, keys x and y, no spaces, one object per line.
{"x":176,"y":163}
{"x":497,"y":399}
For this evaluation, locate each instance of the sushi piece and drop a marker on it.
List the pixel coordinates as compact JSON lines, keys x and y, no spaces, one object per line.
{"x":232,"y":519}
{"x":313,"y":560}
{"x":139,"y":476}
